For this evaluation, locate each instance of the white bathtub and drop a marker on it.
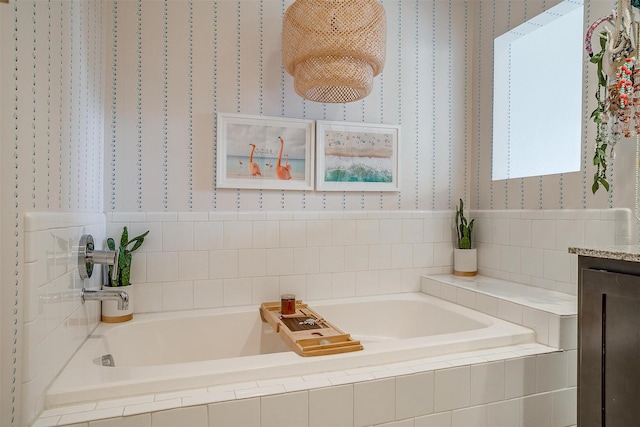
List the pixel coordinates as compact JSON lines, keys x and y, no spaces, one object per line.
{"x":182,"y":350}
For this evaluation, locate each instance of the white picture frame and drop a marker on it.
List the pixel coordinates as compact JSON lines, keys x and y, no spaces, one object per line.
{"x":357,"y":156}
{"x":250,"y":154}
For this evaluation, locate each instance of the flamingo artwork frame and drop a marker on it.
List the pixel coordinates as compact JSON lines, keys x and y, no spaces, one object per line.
{"x":262,"y":152}
{"x":357,"y":156}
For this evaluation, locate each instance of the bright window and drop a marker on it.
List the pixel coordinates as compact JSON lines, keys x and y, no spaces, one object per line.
{"x":537,"y":106}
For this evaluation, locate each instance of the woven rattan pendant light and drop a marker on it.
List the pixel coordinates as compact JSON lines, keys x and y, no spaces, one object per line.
{"x":334,"y":48}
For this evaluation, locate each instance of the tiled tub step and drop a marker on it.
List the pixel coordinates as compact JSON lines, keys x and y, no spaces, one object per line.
{"x":553,"y":315}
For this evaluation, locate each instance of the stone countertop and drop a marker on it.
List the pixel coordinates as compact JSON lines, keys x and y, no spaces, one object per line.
{"x":619,"y":252}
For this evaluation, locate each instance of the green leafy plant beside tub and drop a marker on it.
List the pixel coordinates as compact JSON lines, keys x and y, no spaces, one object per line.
{"x":465,"y":258}
{"x":124,"y":258}
{"x":463,"y":228}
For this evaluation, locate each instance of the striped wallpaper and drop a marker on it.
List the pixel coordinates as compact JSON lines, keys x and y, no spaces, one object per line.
{"x":175,"y":64}
{"x":563,"y":191}
{"x":53,"y":75}
{"x":56,"y":77}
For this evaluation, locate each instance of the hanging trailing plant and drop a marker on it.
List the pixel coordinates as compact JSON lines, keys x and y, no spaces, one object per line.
{"x":598,"y":115}
{"x":617,"y":113}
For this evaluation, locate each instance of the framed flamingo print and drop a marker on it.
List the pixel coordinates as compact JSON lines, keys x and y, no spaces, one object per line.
{"x":264,"y":152}
{"x":357,"y":156}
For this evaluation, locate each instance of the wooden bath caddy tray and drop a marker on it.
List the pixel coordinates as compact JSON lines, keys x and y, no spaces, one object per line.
{"x":306,"y":332}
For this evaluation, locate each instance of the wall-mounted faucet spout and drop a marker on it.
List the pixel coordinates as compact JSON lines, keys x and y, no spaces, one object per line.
{"x":106,"y":294}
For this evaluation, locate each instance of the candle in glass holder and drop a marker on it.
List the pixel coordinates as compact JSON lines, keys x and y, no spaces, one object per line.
{"x":288,"y":304}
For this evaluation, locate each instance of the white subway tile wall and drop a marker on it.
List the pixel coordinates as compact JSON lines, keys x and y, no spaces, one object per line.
{"x":414,"y":395}
{"x":196,"y":260}
{"x":331,"y":406}
{"x":251,"y":257}
{"x":288,"y":409}
{"x":530,"y":246}
{"x":56,"y":323}
{"x":374,"y":402}
{"x":487,"y":383}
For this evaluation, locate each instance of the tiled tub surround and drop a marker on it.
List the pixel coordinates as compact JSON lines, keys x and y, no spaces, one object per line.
{"x":200,"y":260}
{"x":529,"y":385}
{"x":215,"y":259}
{"x":166,"y":352}
{"x":552,"y":314}
{"x":219,"y":259}
{"x":55,"y":322}
{"x":531,"y":246}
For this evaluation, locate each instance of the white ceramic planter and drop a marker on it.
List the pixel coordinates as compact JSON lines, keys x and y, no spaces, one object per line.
{"x":465,"y":262}
{"x":110,"y":312}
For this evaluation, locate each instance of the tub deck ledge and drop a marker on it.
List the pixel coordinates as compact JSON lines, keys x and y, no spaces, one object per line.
{"x":553,"y":315}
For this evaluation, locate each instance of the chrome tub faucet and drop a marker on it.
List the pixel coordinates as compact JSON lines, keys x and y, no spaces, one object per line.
{"x":106,"y":294}
{"x":87,"y":256}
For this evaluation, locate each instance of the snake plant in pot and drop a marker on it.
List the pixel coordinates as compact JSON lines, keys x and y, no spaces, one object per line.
{"x":110,"y":313}
{"x":465,"y":258}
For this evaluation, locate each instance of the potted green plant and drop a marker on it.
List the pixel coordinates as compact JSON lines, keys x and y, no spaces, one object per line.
{"x":465,"y":257}
{"x":110,"y":312}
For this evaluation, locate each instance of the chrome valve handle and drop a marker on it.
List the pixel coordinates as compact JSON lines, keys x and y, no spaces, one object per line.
{"x":88,"y":256}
